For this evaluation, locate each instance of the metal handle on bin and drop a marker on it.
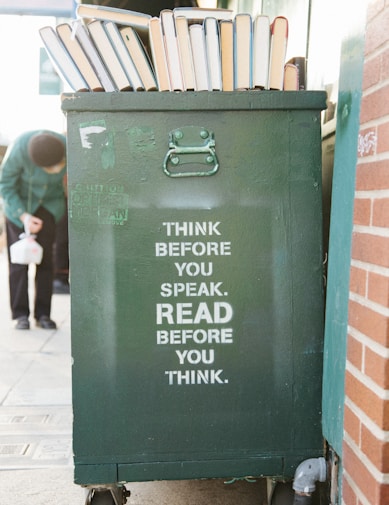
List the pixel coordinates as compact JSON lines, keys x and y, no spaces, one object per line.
{"x":190,"y":147}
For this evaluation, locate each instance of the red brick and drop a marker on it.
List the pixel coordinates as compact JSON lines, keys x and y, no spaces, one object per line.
{"x":371,"y":72}
{"x":375,"y":492}
{"x":370,"y":248}
{"x":374,"y":407}
{"x":377,"y":368}
{"x":376,"y":450}
{"x":354,"y":352}
{"x":369,"y":322}
{"x":352,"y":425}
{"x":383,"y":498}
{"x":358,"y":281}
{"x":378,"y":288}
{"x":376,"y":104}
{"x":383,"y":138}
{"x":385,"y":65}
{"x":381,"y":212}
{"x":362,"y":211}
{"x":348,"y":495}
{"x":374,"y":8}
{"x":360,"y":474}
{"x":372,"y":175}
{"x":376,"y":70}
{"x":377,"y":31}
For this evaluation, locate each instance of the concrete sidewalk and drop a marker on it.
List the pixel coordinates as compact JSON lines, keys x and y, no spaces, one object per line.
{"x":36,"y":466}
{"x":35,"y":407}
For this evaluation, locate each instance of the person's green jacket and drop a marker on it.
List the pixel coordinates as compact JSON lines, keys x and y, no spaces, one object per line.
{"x":24,"y":186}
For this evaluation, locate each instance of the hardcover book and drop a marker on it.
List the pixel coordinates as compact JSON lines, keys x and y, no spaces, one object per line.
{"x":61,"y":59}
{"x":123,"y":55}
{"x":138,"y":20}
{"x":227,"y":54}
{"x":171,"y":49}
{"x":261,"y":50}
{"x":76,"y":51}
{"x":108,"y":54}
{"x":198,"y":14}
{"x":242,"y":51}
{"x":85,"y":40}
{"x":197,"y":40}
{"x":140,"y":57}
{"x":291,"y":77}
{"x":278,"y":44}
{"x":212,"y":45}
{"x":158,"y":55}
{"x":185,"y":51}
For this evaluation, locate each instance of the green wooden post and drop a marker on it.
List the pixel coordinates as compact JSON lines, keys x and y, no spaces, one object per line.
{"x":350,"y":91}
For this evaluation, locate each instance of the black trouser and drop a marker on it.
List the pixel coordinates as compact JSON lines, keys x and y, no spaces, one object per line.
{"x":18,"y":274}
{"x":61,"y":250}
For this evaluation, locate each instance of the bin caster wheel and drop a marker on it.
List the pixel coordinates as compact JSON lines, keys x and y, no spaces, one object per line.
{"x":102,"y":498}
{"x":114,"y":496}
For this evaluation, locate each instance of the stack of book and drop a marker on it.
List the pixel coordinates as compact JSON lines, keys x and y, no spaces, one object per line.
{"x":184,"y":49}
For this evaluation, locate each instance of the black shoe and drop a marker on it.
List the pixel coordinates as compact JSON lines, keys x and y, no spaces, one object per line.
{"x":46,"y":323}
{"x":60,"y":287}
{"x":22,"y":323}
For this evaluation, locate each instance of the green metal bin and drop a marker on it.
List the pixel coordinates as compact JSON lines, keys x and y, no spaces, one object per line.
{"x":195,"y":224}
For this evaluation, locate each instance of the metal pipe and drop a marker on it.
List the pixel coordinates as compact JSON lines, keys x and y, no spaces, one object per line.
{"x":307,"y":474}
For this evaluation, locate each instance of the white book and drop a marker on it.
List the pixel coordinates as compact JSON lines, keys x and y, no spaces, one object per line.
{"x":212,"y":44}
{"x":171,"y":49}
{"x":138,"y":20}
{"x":158,"y":54}
{"x":62,"y":60}
{"x":76,"y":51}
{"x":197,"y":40}
{"x":242,"y":51}
{"x":278,"y":45}
{"x":185,"y":50}
{"x":140,"y":57}
{"x":94,"y":56}
{"x":108,"y":54}
{"x":198,"y":14}
{"x":123,"y":54}
{"x":261,"y":51}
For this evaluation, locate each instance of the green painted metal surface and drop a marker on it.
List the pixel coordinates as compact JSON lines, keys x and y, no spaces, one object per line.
{"x":197,"y":302}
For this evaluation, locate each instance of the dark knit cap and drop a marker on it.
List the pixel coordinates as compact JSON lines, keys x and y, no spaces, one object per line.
{"x":46,"y":150}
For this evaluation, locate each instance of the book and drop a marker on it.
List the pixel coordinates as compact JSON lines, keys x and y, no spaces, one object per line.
{"x":278,"y":45}
{"x":140,"y":57}
{"x":242,"y":51}
{"x":185,"y":51}
{"x":123,"y":54}
{"x":212,"y":45}
{"x":69,"y":40}
{"x":61,"y":59}
{"x":197,"y":39}
{"x":171,"y":50}
{"x":158,"y":54}
{"x":261,"y":51}
{"x":227,"y":54}
{"x":108,"y":54}
{"x":138,"y":20}
{"x":291,"y":77}
{"x":198,"y":14}
{"x":93,"y":55}
{"x":300,"y":63}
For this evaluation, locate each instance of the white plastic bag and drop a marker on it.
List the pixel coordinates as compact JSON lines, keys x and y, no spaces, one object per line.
{"x":26,"y":250}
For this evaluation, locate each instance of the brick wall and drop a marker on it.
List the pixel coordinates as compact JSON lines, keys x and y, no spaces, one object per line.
{"x":366,"y":421}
